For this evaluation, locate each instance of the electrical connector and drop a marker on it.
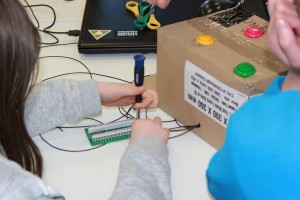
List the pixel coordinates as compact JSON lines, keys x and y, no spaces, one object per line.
{"x":111,"y":132}
{"x":73,"y":33}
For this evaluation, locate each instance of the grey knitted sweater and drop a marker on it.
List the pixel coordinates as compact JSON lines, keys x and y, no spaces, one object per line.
{"x":144,"y":170}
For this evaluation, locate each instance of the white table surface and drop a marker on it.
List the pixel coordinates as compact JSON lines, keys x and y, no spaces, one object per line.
{"x":92,"y":174}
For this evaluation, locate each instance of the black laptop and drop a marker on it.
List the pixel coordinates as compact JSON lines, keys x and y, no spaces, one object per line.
{"x":107,"y":26}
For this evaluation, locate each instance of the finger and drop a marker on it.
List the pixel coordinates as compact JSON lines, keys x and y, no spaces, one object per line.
{"x":160,"y":3}
{"x":290,"y":14}
{"x":272,"y":40}
{"x":279,"y":6}
{"x":163,"y":3}
{"x":150,"y":100}
{"x":271,"y":4}
{"x":288,"y":42}
{"x":168,"y":132}
{"x":157,"y":120}
{"x":155,"y":99}
{"x":140,"y":90}
{"x":144,"y":105}
{"x":273,"y":43}
{"x":134,"y":90}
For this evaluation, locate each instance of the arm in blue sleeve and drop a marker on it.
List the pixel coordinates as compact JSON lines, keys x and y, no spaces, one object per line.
{"x":221,"y":174}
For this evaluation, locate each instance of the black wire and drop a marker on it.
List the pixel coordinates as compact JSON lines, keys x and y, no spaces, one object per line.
{"x":180,"y":134}
{"x":54,"y":14}
{"x":125,"y":115}
{"x":86,"y":73}
{"x":66,"y":150}
{"x":177,"y":129}
{"x":167,"y":121}
{"x":55,"y":32}
{"x":89,"y":72}
{"x":54,"y":45}
{"x":94,"y":120}
{"x":53,"y":36}
{"x":62,"y":127}
{"x":45,"y":30}
{"x":70,"y":127}
{"x":188,"y":128}
{"x":37,"y":21}
{"x":121,"y":109}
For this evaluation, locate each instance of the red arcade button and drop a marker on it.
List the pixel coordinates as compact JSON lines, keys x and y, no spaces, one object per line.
{"x":253,"y":32}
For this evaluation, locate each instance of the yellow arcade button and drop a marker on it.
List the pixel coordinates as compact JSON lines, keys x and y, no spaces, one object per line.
{"x":205,"y":39}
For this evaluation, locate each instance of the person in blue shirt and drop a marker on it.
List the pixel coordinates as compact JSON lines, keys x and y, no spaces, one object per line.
{"x":260,"y":158}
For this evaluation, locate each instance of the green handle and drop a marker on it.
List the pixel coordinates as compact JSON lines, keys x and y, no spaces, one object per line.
{"x":141,"y":23}
{"x":144,"y":8}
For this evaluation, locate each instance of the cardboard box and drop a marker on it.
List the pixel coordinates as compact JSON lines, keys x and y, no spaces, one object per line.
{"x":197,"y":83}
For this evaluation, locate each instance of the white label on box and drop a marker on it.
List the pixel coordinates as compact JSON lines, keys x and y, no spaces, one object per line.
{"x":210,"y":96}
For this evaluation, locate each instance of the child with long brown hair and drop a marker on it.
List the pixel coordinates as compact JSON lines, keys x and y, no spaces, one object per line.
{"x":27,"y":110}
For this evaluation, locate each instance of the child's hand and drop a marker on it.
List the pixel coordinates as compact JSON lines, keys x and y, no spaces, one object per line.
{"x":283,"y":35}
{"x":149,"y":128}
{"x":123,"y":94}
{"x":160,"y":3}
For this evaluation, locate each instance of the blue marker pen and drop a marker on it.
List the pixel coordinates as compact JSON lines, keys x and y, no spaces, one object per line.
{"x":139,"y":78}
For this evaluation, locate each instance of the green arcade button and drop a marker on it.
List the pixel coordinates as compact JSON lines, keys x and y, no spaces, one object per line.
{"x":244,"y":69}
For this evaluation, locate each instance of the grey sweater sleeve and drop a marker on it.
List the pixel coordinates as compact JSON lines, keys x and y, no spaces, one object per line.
{"x":18,"y":184}
{"x":144,"y":172}
{"x":52,"y":103}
